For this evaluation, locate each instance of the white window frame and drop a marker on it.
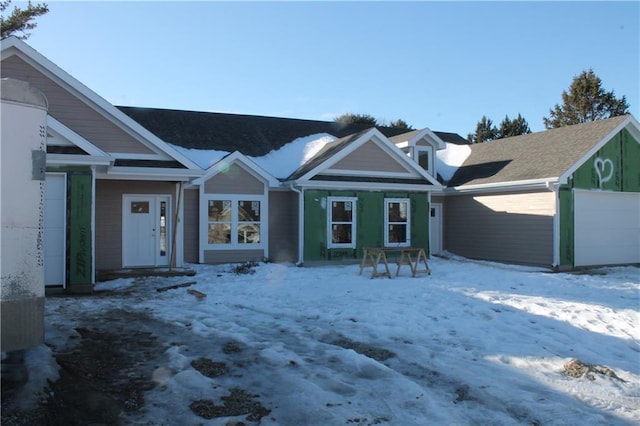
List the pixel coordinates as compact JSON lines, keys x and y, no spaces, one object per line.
{"x":234,"y":244}
{"x":416,"y":157}
{"x":388,"y":201}
{"x":354,"y":219}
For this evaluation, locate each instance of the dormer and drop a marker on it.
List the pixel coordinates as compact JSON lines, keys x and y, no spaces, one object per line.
{"x":421,"y":146}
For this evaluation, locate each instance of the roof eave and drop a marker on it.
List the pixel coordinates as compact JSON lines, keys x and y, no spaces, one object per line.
{"x":360,"y":186}
{"x":521,"y":185}
{"x":148,"y":173}
{"x":630,"y":123}
{"x":238,"y":157}
{"x":57,"y":160}
{"x":109,"y":111}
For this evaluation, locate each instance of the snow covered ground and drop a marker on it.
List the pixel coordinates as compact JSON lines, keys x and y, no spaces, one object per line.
{"x":474,"y":343}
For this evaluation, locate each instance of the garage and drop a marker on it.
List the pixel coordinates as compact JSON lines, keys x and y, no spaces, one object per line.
{"x":607,"y":227}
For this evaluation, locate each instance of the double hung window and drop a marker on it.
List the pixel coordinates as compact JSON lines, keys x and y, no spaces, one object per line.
{"x":341,"y":222}
{"x":397,"y":222}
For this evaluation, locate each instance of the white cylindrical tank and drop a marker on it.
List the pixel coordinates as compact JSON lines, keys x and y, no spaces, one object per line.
{"x":23,"y":137}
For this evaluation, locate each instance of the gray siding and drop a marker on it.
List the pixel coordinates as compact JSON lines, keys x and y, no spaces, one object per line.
{"x":283,"y":226}
{"x":512,"y":228}
{"x":232,"y":256}
{"x":109,"y":216}
{"x":191,"y":225}
{"x":369,"y":157}
{"x":236,"y":180}
{"x":74,"y":113}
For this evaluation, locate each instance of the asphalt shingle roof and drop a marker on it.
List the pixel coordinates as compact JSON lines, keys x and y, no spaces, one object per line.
{"x":540,"y":155}
{"x":250,"y":134}
{"x":453,"y":138}
{"x":253,"y":135}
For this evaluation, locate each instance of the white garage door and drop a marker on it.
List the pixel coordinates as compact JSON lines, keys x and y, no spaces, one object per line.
{"x":55,"y":204}
{"x":607,"y":228}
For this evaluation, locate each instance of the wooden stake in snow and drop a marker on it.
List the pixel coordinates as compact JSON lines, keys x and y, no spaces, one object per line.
{"x":197,"y":294}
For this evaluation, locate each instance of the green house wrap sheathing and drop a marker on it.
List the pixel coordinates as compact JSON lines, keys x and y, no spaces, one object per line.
{"x":616,"y":164}
{"x":79,"y":202}
{"x":369,"y":222}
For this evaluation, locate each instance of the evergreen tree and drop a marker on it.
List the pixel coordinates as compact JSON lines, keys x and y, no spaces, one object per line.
{"x":485,"y":131}
{"x":586,"y":101}
{"x":19,"y":20}
{"x":357,"y":118}
{"x":400,"y":124}
{"x":517,"y":126}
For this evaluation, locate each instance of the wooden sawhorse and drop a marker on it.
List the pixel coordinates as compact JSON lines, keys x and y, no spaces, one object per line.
{"x":412,"y":257}
{"x":375,"y":255}
{"x":372,"y":256}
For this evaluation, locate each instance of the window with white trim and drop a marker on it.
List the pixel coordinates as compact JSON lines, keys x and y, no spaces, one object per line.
{"x":219,"y":229}
{"x":397,"y":222}
{"x":234,"y":221}
{"x":341,"y":222}
{"x":248,"y":222}
{"x":424,"y":157}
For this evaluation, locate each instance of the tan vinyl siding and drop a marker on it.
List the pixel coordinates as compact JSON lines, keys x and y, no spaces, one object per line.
{"x":191,"y":225}
{"x":283,"y":226}
{"x":74,"y":113}
{"x":369,"y":157}
{"x":513,"y":228}
{"x":539,"y":203}
{"x":439,"y":199}
{"x":109,"y":216}
{"x":236,"y":180}
{"x":232,"y":256}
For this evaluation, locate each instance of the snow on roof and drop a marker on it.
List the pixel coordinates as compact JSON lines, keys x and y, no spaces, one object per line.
{"x":279,"y":163}
{"x":450,"y":158}
{"x":282,"y":162}
{"x":204,"y":158}
{"x":285,"y":160}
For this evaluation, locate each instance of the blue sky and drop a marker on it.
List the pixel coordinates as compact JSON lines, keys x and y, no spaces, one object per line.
{"x":441,"y":65}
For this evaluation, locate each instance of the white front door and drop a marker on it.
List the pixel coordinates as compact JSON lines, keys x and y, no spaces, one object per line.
{"x":55,"y":215}
{"x":145,"y":230}
{"x":435,"y":228}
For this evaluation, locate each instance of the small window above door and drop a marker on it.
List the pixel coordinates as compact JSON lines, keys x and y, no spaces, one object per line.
{"x":139,"y":207}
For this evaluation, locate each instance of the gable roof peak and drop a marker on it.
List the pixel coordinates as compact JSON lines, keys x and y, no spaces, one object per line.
{"x":225,"y":162}
{"x":413,"y":137}
{"x":339,"y":149}
{"x":549,"y":154}
{"x":12,"y":46}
